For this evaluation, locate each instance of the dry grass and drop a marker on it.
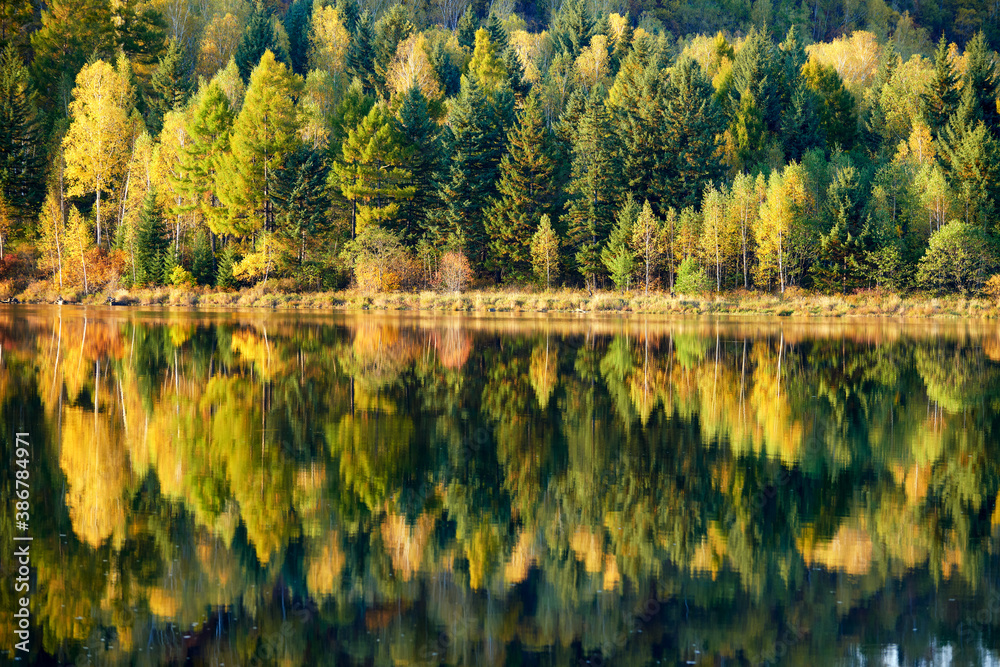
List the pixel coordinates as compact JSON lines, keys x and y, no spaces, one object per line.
{"x":794,"y":303}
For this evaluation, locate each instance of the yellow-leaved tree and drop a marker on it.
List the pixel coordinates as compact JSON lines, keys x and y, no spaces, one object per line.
{"x":99,"y":139}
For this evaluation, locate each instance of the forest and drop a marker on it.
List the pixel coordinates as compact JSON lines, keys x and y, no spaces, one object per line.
{"x":827,"y":145}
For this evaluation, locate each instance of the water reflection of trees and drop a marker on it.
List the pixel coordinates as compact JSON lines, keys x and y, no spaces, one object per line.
{"x":518,"y":485}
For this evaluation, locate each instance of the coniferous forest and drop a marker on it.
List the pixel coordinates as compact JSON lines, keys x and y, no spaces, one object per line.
{"x":828,"y":145}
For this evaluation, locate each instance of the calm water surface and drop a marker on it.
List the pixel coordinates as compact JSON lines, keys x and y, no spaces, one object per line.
{"x":269,"y":489}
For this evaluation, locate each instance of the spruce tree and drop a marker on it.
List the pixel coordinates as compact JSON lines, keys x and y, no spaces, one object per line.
{"x":300,"y":196}
{"x":595,"y":187}
{"x":350,"y":14}
{"x":940,"y":99}
{"x":169,"y":87}
{"x":152,"y":243}
{"x":22,"y":163}
{"x":800,"y":126}
{"x":203,"y":261}
{"x":466,"y":32}
{"x":692,"y":121}
{"x":361,"y":53}
{"x":298,"y":22}
{"x":981,"y":79}
{"x":423,"y":160}
{"x":391,"y":29}
{"x":224,"y":274}
{"x":757,"y":73}
{"x":617,"y":255}
{"x":572,"y":27}
{"x":528,"y":188}
{"x":477,"y":148}
{"x":258,"y":38}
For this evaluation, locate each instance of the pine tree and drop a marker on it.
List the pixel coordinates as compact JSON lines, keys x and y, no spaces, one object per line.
{"x":545,"y":252}
{"x":349,"y":14}
{"x":153,"y":244}
{"x":595,"y":187}
{"x":617,"y":254}
{"x":836,"y":110}
{"x":981,"y":78}
{"x":975,"y":172}
{"x":22,"y":164}
{"x":940,"y":99}
{"x":528,"y":188}
{"x":301,"y":201}
{"x":258,"y":38}
{"x":476,"y":149}
{"x":361,"y":54}
{"x":224,"y":275}
{"x":423,"y":160}
{"x":394,"y":27}
{"x":298,"y":22}
{"x":757,"y":73}
{"x":692,"y":121}
{"x":264,"y":134}
{"x":572,"y":27}
{"x":638,"y":99}
{"x":466,"y":31}
{"x":203,"y":261}
{"x":169,"y":87}
{"x":800,"y":126}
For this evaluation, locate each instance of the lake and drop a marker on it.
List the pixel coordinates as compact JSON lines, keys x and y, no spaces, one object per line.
{"x":261,"y":488}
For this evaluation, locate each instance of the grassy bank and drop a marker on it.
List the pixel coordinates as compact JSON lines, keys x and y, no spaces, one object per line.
{"x":795,"y":303}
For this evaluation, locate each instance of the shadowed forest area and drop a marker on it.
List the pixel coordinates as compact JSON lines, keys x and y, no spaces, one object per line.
{"x":828,"y":145}
{"x":377,"y":490}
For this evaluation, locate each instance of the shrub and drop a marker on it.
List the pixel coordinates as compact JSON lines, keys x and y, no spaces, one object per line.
{"x":959,"y":257}
{"x":376,"y":256}
{"x":181,"y":277}
{"x":691,"y":278}
{"x":992,"y":287}
{"x":454,"y":271}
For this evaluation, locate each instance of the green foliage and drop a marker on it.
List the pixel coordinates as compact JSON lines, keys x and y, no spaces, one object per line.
{"x":169,"y":87}
{"x":941,"y":98}
{"x":528,"y":189}
{"x":691,"y":278}
{"x":258,"y":38}
{"x":545,"y":252}
{"x":224,"y":278}
{"x":959,"y":258}
{"x":617,"y":255}
{"x":22,"y":158}
{"x":152,"y":244}
{"x":203,"y":261}
{"x":423,"y":159}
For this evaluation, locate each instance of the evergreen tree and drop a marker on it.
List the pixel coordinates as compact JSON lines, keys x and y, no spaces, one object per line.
{"x":836,"y":109}
{"x":800,"y":126}
{"x":941,"y":97}
{"x":617,"y":255}
{"x":152,"y":244}
{"x":466,"y":32}
{"x":423,"y":160}
{"x":169,"y":87}
{"x":22,"y":162}
{"x":203,"y":261}
{"x":595,"y":187}
{"x":975,"y":172}
{"x":361,"y":53}
{"x":757,"y":72}
{"x":572,"y":27}
{"x":228,"y":260}
{"x":476,"y":148}
{"x":301,"y":201}
{"x":349,"y":14}
{"x":446,"y":71}
{"x":258,"y":38}
{"x":692,"y":121}
{"x":981,"y":78}
{"x":391,"y":29}
{"x":528,"y":188}
{"x":298,"y":23}
{"x":874,"y":125}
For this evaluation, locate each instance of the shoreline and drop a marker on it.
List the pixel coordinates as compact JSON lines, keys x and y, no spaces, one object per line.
{"x":794,"y":303}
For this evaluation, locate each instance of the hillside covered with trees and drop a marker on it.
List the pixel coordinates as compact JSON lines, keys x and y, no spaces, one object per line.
{"x":689,"y":147}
